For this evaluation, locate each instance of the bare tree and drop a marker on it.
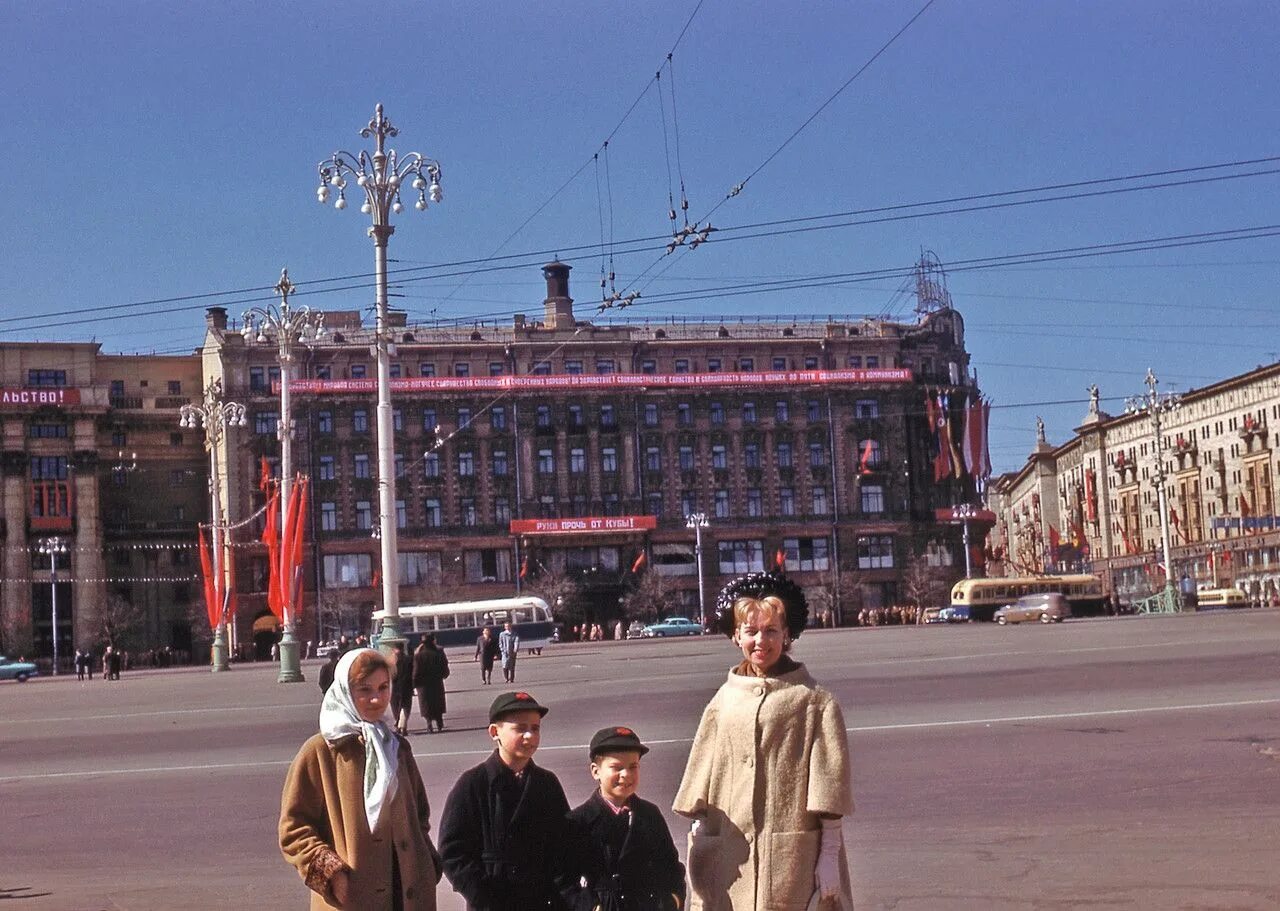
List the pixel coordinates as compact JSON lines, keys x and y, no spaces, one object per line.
{"x":924,"y":583}
{"x":651,"y":597}
{"x":119,"y":620}
{"x":559,"y":589}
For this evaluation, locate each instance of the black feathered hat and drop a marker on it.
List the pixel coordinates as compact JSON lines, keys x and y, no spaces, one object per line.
{"x":762,"y":585}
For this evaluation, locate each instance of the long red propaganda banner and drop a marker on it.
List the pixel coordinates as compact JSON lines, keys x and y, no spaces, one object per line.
{"x":582,"y":525}
{"x":585,"y":381}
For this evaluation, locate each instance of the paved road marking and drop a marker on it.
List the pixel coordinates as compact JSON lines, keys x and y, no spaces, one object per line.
{"x":862,"y":729}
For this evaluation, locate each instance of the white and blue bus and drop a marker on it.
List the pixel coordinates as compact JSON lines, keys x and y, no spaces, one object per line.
{"x":458,"y":625}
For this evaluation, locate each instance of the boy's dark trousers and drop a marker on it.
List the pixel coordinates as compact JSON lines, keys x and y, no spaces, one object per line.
{"x":628,"y":860}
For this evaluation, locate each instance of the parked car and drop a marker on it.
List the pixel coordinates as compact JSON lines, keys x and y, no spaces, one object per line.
{"x":635,"y":630}
{"x":672,"y":626}
{"x":1047,"y":607}
{"x":954,"y":615}
{"x":16,"y":670}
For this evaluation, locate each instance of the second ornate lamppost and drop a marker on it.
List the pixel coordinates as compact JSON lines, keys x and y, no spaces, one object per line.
{"x":1156,"y":405}
{"x":215,"y":417}
{"x":286,"y":326}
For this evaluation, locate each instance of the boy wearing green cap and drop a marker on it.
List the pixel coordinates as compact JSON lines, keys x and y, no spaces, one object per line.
{"x":504,"y":826}
{"x":625,"y":854}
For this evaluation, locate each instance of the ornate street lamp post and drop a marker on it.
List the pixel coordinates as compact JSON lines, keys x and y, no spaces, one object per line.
{"x":1155,"y":405}
{"x":698,"y":521}
{"x":381,"y":176}
{"x":215,"y":417}
{"x":54,"y":548}
{"x":288,"y":325}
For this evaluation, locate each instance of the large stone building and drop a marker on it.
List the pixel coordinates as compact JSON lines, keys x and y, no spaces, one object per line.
{"x":549,"y":454}
{"x":805,"y":439}
{"x":89,"y":440}
{"x":1090,"y":502}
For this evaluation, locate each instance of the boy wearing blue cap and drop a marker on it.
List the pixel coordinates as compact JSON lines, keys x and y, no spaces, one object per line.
{"x":504,"y":827}
{"x":626,"y":857}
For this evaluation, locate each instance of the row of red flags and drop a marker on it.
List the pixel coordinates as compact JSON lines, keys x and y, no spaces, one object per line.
{"x":284,"y":556}
{"x":957,"y":453}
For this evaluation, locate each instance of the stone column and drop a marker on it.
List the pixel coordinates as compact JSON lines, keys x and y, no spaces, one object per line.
{"x":16,"y":632}
{"x":87,"y":597}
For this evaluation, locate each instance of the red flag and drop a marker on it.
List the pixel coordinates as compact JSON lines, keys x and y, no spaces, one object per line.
{"x":1245,"y":512}
{"x":1090,"y":496}
{"x":865,"y":461}
{"x":293,"y":548}
{"x":271,"y":538}
{"x":264,"y":479}
{"x":1078,"y":540}
{"x":639,"y":562}
{"x":211,"y":602}
{"x":524,"y":568}
{"x":1055,"y":542}
{"x":931,"y":412}
{"x":780,"y":559}
{"x":377,"y":577}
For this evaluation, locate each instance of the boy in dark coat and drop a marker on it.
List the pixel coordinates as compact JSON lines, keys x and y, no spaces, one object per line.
{"x":623,"y":846}
{"x":505,"y":826}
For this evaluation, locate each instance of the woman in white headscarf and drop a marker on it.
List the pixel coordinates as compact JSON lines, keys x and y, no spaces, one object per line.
{"x":354,"y":818}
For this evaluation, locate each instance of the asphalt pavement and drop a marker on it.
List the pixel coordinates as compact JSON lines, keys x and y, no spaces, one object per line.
{"x":1116,"y":763}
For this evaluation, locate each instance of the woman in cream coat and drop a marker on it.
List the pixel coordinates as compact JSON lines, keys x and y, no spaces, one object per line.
{"x":354,"y":818}
{"x":768,"y":778}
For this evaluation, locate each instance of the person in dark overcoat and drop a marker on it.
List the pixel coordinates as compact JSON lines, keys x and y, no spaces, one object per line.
{"x":430,"y":669}
{"x":505,"y":825}
{"x":621,"y":843}
{"x":402,"y":689}
{"x":487,"y":651}
{"x":327,"y":669}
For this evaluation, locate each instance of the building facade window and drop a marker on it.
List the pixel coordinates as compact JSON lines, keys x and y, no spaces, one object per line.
{"x":542,"y":416}
{"x":806,"y":554}
{"x":721,"y":500}
{"x":686,"y":458}
{"x":653,"y":459}
{"x":359,"y":421}
{"x":650,"y":414}
{"x":419,"y":568}
{"x":738,"y":557}
{"x":501,"y":510}
{"x":490,"y":565}
{"x":328,"y":516}
{"x":498,"y":417}
{"x":748,"y":412}
{"x":466,"y":464}
{"x":364,"y":515}
{"x":434,"y":518}
{"x":468,"y":509}
{"x":781,"y":410}
{"x":787,"y":501}
{"x":431,"y":465}
{"x":499,"y":463}
{"x":402,"y":515}
{"x":46,"y":377}
{"x":546,"y":462}
{"x":755,"y":503}
{"x":360,"y":466}
{"x":324,"y":422}
{"x":875,"y":552}
{"x":719,"y":456}
{"x":266,"y":422}
{"x":717,"y":412}
{"x":609,"y":460}
{"x":872,"y":498}
{"x":684,"y":414}
{"x":577,"y":461}
{"x":655,"y":504}
{"x":819,"y":501}
{"x":325,"y":470}
{"x":784,"y":455}
{"x":866,"y":408}
{"x":348,"y":570}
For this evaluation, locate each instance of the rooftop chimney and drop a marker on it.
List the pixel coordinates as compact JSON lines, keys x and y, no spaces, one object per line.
{"x":216,"y":318}
{"x":559,"y":305}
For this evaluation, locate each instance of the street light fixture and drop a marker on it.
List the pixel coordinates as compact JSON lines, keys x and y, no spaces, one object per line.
{"x":1156,"y":405}
{"x":288,"y":325}
{"x":698,"y":521}
{"x":381,"y":176}
{"x":54,"y":548}
{"x":215,"y":417}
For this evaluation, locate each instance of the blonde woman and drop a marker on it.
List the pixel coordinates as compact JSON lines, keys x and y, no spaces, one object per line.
{"x":354,"y":818}
{"x":768,"y":778}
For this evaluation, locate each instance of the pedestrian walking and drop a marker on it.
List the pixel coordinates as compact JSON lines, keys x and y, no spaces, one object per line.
{"x":486,"y":653}
{"x":354,"y":817}
{"x":115,"y":662}
{"x":430,"y":670}
{"x":772,"y":838}
{"x":328,"y":669}
{"x":509,"y":648}
{"x":617,"y":631}
{"x":401,"y":689}
{"x":80,"y":664}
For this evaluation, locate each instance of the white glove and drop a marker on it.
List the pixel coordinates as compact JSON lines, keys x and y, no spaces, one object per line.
{"x":828,"y":870}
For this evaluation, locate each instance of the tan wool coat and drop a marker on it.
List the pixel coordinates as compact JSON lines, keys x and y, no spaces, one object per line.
{"x":770,"y":755}
{"x":323,"y":829}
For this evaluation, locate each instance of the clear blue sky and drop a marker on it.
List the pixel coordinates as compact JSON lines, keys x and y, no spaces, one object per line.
{"x":157,"y":149}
